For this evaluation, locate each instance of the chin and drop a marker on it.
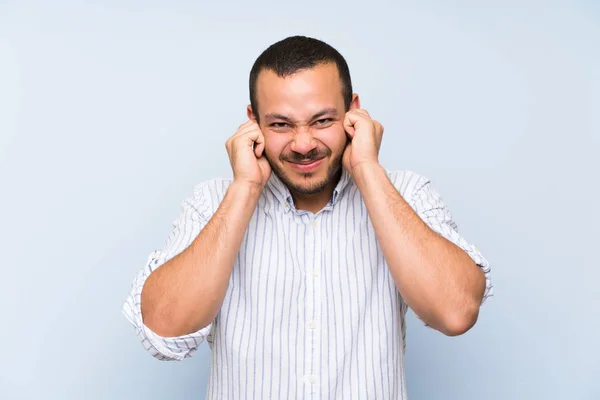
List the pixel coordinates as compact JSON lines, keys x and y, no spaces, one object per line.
{"x":307,"y":183}
{"x":310,"y":183}
{"x":305,"y":189}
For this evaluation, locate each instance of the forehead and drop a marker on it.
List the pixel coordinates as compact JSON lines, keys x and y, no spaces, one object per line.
{"x":300,"y":94}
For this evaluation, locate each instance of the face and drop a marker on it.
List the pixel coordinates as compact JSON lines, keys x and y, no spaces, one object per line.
{"x":301,"y":117}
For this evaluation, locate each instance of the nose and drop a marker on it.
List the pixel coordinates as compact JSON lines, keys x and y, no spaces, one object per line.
{"x":303,"y":141}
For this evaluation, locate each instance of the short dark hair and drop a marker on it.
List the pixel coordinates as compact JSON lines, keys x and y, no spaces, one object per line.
{"x":296,"y":53}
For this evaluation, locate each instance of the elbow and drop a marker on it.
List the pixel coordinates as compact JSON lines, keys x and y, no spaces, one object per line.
{"x":156,"y":319}
{"x":159,"y":326}
{"x":164,"y":324}
{"x":168,"y":330}
{"x":156,"y":324}
{"x":459,"y":323}
{"x":463,"y":316}
{"x":167,"y":317}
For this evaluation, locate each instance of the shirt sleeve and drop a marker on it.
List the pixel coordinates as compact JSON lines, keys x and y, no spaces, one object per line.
{"x":194,"y":216}
{"x":428,"y":204}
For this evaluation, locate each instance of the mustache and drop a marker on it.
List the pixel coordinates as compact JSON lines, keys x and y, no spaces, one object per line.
{"x":314,"y":154}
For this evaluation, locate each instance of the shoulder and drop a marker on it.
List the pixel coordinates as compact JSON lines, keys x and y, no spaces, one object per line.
{"x":407,"y":182}
{"x":208,"y":194}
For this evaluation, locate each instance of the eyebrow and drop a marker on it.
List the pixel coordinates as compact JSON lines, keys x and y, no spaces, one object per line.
{"x":327,"y":111}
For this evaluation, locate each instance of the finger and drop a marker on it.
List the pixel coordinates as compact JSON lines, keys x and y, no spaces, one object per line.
{"x":245,"y":124}
{"x":362,"y":111}
{"x":350,"y":120}
{"x":252,"y":137}
{"x":357,"y":114}
{"x":349,"y":127}
{"x":244,"y":129}
{"x":259,"y":149}
{"x":246,"y":137}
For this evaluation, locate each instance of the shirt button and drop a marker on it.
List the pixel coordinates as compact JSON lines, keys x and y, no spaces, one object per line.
{"x":313,"y":379}
{"x":314,"y":223}
{"x":312,"y":324}
{"x":315,"y":273}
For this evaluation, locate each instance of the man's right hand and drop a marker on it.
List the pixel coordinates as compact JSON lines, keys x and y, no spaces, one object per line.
{"x":246,"y":155}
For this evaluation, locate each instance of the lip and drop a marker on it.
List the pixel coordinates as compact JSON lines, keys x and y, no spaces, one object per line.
{"x":308,"y":167}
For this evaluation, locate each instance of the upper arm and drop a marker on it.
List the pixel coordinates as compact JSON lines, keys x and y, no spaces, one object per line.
{"x":428,"y":204}
{"x":195,"y":213}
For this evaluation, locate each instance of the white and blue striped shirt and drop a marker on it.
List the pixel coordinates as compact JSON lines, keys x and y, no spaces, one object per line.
{"x":311,"y":310}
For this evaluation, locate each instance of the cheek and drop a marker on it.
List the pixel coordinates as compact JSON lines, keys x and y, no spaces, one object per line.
{"x":274,"y":145}
{"x":335,"y":139}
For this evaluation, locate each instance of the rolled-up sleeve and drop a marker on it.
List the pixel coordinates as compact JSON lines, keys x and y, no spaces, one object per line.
{"x":193,"y":218}
{"x":428,"y":204}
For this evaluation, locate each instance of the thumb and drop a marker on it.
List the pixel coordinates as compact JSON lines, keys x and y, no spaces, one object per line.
{"x":259,"y":149}
{"x":350,"y":121}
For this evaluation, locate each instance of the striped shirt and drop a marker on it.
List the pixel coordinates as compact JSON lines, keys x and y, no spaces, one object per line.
{"x":311,"y":310}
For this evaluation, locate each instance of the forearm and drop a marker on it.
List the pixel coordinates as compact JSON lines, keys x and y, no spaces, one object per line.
{"x":186,"y":293}
{"x":437,"y":279}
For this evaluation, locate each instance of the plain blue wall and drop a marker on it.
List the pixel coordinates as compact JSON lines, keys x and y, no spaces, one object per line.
{"x":111,"y":112}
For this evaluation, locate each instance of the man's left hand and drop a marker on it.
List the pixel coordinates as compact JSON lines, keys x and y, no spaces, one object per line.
{"x":365,"y":139}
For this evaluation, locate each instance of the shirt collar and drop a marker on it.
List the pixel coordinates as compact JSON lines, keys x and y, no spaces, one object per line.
{"x":282,"y":193}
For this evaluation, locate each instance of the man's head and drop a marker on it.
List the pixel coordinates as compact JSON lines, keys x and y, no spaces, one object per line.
{"x":300,"y":90}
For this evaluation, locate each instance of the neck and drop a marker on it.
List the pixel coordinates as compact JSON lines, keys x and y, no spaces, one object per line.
{"x":315,"y":202}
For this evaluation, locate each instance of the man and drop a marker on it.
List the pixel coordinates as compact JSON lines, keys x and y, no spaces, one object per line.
{"x":299,"y":271}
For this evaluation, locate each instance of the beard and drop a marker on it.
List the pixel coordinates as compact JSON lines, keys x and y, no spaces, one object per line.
{"x":307,"y":188}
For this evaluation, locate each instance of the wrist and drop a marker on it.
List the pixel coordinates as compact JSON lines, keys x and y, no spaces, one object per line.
{"x":367,"y":171}
{"x":246,"y":189}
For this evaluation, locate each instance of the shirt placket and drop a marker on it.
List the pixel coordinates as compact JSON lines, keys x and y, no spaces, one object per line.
{"x":312,"y":379}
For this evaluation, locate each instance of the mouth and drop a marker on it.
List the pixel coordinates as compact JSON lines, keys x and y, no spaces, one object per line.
{"x":307,"y":166}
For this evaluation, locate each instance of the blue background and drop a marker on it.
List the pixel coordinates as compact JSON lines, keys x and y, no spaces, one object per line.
{"x":111,"y":112}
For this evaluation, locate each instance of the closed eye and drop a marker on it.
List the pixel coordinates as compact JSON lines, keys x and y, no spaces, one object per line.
{"x":323,"y":121}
